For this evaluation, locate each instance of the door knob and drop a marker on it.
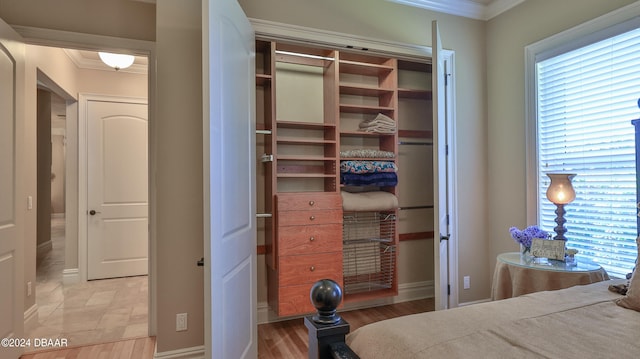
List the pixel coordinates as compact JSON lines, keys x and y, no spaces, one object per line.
{"x":93,"y":212}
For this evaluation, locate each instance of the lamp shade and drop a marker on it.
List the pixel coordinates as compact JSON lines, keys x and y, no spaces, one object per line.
{"x":117,"y":61}
{"x":560,"y":190}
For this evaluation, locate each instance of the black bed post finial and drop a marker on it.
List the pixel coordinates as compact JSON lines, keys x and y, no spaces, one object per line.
{"x":327,"y":330}
{"x":326,"y":296}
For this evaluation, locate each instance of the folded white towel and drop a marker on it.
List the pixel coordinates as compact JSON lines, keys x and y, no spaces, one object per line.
{"x":380,"y":124}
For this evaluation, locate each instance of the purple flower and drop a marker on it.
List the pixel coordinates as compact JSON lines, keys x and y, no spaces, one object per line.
{"x":526,"y":236}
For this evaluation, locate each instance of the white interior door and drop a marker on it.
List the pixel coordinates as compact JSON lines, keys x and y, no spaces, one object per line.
{"x":117,"y":180}
{"x":441,"y":226}
{"x":11,"y":254}
{"x":229,"y":177}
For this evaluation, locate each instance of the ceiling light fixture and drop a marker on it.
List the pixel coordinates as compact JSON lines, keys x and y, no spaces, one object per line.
{"x":117,"y":61}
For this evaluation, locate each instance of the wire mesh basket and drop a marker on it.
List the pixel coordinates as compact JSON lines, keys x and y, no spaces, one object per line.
{"x":369,"y":252}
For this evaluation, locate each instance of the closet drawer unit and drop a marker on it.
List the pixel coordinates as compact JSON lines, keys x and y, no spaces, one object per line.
{"x":308,"y":201}
{"x":307,"y":218}
{"x":296,"y":240}
{"x":294,"y":300}
{"x":310,"y":268}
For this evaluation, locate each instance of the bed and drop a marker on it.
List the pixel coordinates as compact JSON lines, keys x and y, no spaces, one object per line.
{"x":577,"y":322}
{"x":584,"y":321}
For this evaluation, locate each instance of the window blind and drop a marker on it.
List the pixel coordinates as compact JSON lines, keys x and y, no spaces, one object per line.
{"x":586,"y":99}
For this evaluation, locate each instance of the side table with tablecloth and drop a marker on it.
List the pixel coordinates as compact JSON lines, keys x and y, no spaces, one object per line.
{"x":516,"y":275}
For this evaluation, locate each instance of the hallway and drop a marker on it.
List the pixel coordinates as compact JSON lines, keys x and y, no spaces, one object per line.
{"x":85,"y":313}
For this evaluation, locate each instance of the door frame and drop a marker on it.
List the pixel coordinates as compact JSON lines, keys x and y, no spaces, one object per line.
{"x":275,"y":31}
{"x":83,"y":173}
{"x":66,"y":39}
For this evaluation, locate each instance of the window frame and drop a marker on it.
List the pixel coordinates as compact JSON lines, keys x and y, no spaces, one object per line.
{"x":603,"y":27}
{"x":614,"y":23}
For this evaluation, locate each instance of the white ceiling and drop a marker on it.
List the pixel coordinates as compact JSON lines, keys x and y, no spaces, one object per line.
{"x":475,"y":9}
{"x":90,"y":60}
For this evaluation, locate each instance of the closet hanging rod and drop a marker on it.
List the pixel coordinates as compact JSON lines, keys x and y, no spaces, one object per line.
{"x":309,"y":56}
{"x":263,"y":215}
{"x":415,"y":143}
{"x":416,"y":207}
{"x":263,"y":132}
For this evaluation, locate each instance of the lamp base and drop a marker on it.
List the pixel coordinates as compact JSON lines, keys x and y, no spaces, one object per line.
{"x":560,"y":221}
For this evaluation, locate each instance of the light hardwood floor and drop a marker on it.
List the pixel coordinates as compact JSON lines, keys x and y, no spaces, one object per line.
{"x":289,"y":339}
{"x":139,"y":348}
{"x":280,"y":340}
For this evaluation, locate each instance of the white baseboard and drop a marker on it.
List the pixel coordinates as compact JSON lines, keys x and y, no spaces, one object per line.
{"x":185,"y":353}
{"x":31,"y":317}
{"x":406,"y":292}
{"x":70,"y":276}
{"x":43,"y":248}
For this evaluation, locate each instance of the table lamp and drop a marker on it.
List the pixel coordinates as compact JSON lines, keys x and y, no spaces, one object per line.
{"x":560,"y":192}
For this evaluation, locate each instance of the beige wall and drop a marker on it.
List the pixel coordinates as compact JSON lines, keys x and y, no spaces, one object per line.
{"x":117,"y":18}
{"x":507,"y":36}
{"x":178,"y":163}
{"x":381,"y":20}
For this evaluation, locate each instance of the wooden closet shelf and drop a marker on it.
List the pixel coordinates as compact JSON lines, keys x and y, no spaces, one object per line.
{"x":363,"y":68}
{"x":365,"y":109}
{"x":305,"y":125}
{"x":415,"y":236}
{"x":351,"y":89}
{"x":305,"y":175}
{"x":365,"y":134}
{"x":304,"y":141}
{"x":304,"y":158}
{"x":415,"y":94}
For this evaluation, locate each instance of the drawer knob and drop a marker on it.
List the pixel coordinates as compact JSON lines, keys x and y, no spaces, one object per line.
{"x":312,"y":238}
{"x":311,"y":203}
{"x":312,"y":268}
{"x":312,"y":218}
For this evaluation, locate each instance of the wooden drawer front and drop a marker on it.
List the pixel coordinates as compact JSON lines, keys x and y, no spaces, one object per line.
{"x":295,"y":300}
{"x":307,"y":218}
{"x":310,"y":200}
{"x":310,"y":268}
{"x":295,"y":240}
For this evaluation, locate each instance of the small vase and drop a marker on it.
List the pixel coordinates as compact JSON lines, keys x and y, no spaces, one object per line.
{"x":525,"y":253}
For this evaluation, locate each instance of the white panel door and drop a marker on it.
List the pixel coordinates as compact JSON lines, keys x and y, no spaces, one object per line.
{"x":441,"y":226}
{"x":11,"y":203}
{"x":229,"y":177}
{"x":117,"y":182}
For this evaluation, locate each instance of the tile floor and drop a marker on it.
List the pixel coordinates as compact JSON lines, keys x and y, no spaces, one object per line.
{"x":86,"y":313}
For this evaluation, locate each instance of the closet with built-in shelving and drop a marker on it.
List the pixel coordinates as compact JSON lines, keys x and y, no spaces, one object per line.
{"x":332,"y":126}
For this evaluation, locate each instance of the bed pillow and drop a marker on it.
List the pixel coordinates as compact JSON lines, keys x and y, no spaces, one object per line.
{"x":632,"y":299}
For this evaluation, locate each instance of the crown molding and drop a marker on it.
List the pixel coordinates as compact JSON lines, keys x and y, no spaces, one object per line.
{"x":82,"y":62}
{"x":465,"y":8}
{"x":301,"y":35}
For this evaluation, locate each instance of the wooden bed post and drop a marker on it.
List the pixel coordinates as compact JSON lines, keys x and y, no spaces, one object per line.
{"x":327,"y":330}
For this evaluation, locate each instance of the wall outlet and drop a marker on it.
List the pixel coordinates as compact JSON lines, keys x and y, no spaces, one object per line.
{"x":181,"y":322}
{"x":29,"y":289}
{"x":466,"y":282}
